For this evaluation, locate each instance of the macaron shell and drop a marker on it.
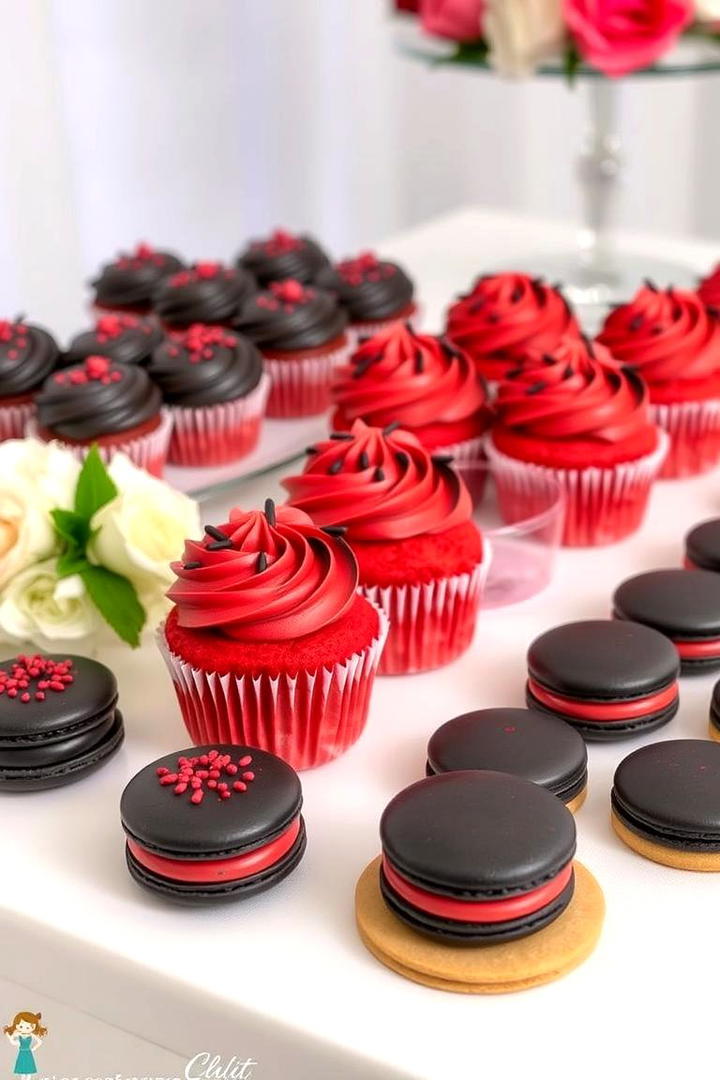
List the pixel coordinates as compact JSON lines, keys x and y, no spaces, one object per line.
{"x":489,"y":969}
{"x":92,"y":694}
{"x":706,"y":862}
{"x":67,"y":771}
{"x":702,"y":545}
{"x":683,"y":604}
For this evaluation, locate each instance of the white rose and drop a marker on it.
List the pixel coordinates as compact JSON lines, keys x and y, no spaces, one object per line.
{"x":141,"y":531}
{"x":708,"y":10}
{"x":521,"y":33}
{"x":34,"y":478}
{"x":40,"y":607}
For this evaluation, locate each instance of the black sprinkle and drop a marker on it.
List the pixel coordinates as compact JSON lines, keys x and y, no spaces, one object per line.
{"x":448,"y":347}
{"x":194,"y":565}
{"x":409,"y":327}
{"x":335,"y":530}
{"x":477,"y":305}
{"x":548,"y":359}
{"x":557,"y":286}
{"x":514,"y":373}
{"x":568,"y":372}
{"x":715,"y":312}
{"x":656,"y":330}
{"x":270,"y":511}
{"x":363,"y":460}
{"x":217,"y":534}
{"x":220,"y":545}
{"x":589,"y":345}
{"x":378,"y":475}
{"x":493,"y":317}
{"x":402,"y":459}
{"x":341,"y":436}
{"x":261,"y":563}
{"x":364,"y":338}
{"x":419,"y":362}
{"x":335,"y":467}
{"x":536,"y":388}
{"x":517,"y":294}
{"x":363,"y":367}
{"x":311,"y":450}
{"x":389,"y":428}
{"x":650,"y":284}
{"x":636,"y":322}
{"x":442,"y":459}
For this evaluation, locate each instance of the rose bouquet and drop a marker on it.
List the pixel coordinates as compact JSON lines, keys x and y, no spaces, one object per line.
{"x":84,"y":547}
{"x":615,"y":37}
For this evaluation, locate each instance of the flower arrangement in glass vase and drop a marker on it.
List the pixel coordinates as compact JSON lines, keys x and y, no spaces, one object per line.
{"x":84,"y":548}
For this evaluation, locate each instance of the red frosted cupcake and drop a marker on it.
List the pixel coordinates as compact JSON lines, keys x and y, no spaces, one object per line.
{"x":673,"y":340}
{"x":206,"y":293}
{"x":408,"y":519}
{"x":426,"y":384}
{"x":375,"y":293}
{"x":27,"y":356}
{"x":128,"y":283}
{"x":112,"y":405}
{"x":575,"y":414}
{"x":709,"y":289}
{"x":213,"y":383}
{"x":503,"y":316}
{"x":269,"y":643}
{"x":301,"y":332}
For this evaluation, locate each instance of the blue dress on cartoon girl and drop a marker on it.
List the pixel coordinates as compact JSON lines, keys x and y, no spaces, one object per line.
{"x":25,"y":1063}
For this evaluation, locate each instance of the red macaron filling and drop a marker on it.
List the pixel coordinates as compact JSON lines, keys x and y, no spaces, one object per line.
{"x":606,"y":712}
{"x":209,"y":871}
{"x":697,"y":650}
{"x":478,"y":911}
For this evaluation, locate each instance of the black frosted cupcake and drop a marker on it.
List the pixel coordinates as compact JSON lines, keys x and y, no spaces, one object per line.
{"x":283,"y":255}
{"x":128,"y":283}
{"x":115,"y":406}
{"x":374,"y":292}
{"x":27,"y":356}
{"x":214,"y":385}
{"x":125,"y":339}
{"x":208,"y":292}
{"x":301,"y":332}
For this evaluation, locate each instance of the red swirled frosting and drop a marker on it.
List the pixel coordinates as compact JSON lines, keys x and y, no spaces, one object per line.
{"x":572,"y":406}
{"x":268,"y":576}
{"x":425,"y":383}
{"x":671,"y":338}
{"x":504,"y":315}
{"x":709,"y":289}
{"x":380,"y":484}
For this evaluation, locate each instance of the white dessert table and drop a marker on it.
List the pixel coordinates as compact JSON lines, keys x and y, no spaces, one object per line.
{"x":283,"y":979}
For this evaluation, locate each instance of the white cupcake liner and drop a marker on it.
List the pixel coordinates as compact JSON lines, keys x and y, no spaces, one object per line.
{"x":301,"y":386}
{"x":14,"y":420}
{"x":369,"y":329}
{"x":603,"y":505}
{"x":306,"y":719}
{"x":217,"y":434}
{"x":694,"y":430}
{"x":148,"y":451}
{"x":430,"y":623}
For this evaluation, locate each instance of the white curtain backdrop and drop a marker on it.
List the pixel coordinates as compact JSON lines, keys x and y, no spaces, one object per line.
{"x":194,"y":123}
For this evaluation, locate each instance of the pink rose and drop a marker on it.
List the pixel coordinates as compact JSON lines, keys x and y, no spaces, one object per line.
{"x":460,"y":20}
{"x":618,"y":36}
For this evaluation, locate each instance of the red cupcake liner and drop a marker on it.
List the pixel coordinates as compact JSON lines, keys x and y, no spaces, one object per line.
{"x":431,"y":623}
{"x":217,"y":434}
{"x":694,"y":430}
{"x":148,"y":451}
{"x":369,"y":329}
{"x":14,"y":420}
{"x":301,"y":386}
{"x":603,"y":505}
{"x":307,"y":719}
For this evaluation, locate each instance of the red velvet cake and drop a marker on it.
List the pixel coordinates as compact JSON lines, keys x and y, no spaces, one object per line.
{"x":269,"y":642}
{"x":577,"y":415}
{"x":503,"y":316}
{"x":673,"y":340}
{"x":408,"y":518}
{"x":425,"y":383}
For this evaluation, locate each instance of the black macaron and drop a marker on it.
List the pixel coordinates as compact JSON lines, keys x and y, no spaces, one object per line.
{"x":477,"y":857}
{"x":525,"y":742}
{"x":213,"y":823}
{"x":607,"y":678}
{"x":666,"y":802}
{"x":59,"y":720}
{"x":715,"y":713}
{"x":682,"y":604}
{"x":702,"y":546}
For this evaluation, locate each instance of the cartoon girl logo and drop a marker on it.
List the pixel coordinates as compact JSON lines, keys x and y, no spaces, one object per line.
{"x":26,"y":1033}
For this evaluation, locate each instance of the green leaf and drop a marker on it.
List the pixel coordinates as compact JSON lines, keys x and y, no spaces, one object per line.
{"x":72,"y":528}
{"x":95,"y":487}
{"x":71,"y":562}
{"x":571,"y":63}
{"x":468,"y":52}
{"x":116,"y":600}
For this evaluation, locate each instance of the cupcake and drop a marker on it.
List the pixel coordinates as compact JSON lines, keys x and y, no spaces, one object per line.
{"x":128,"y":283}
{"x":27,"y":356}
{"x":374,"y":292}
{"x":576,"y":415}
{"x":300,"y":330}
{"x":673,"y":341}
{"x":709,"y":289}
{"x":206,"y":293}
{"x":283,"y":255}
{"x":112,"y":405}
{"x":269,"y":643}
{"x":213,"y":384}
{"x":125,"y":339}
{"x":503,"y":316}
{"x":425,"y":383}
{"x":408,"y":519}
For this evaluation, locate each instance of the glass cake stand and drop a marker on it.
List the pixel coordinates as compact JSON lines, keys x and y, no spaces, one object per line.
{"x":592,"y":274}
